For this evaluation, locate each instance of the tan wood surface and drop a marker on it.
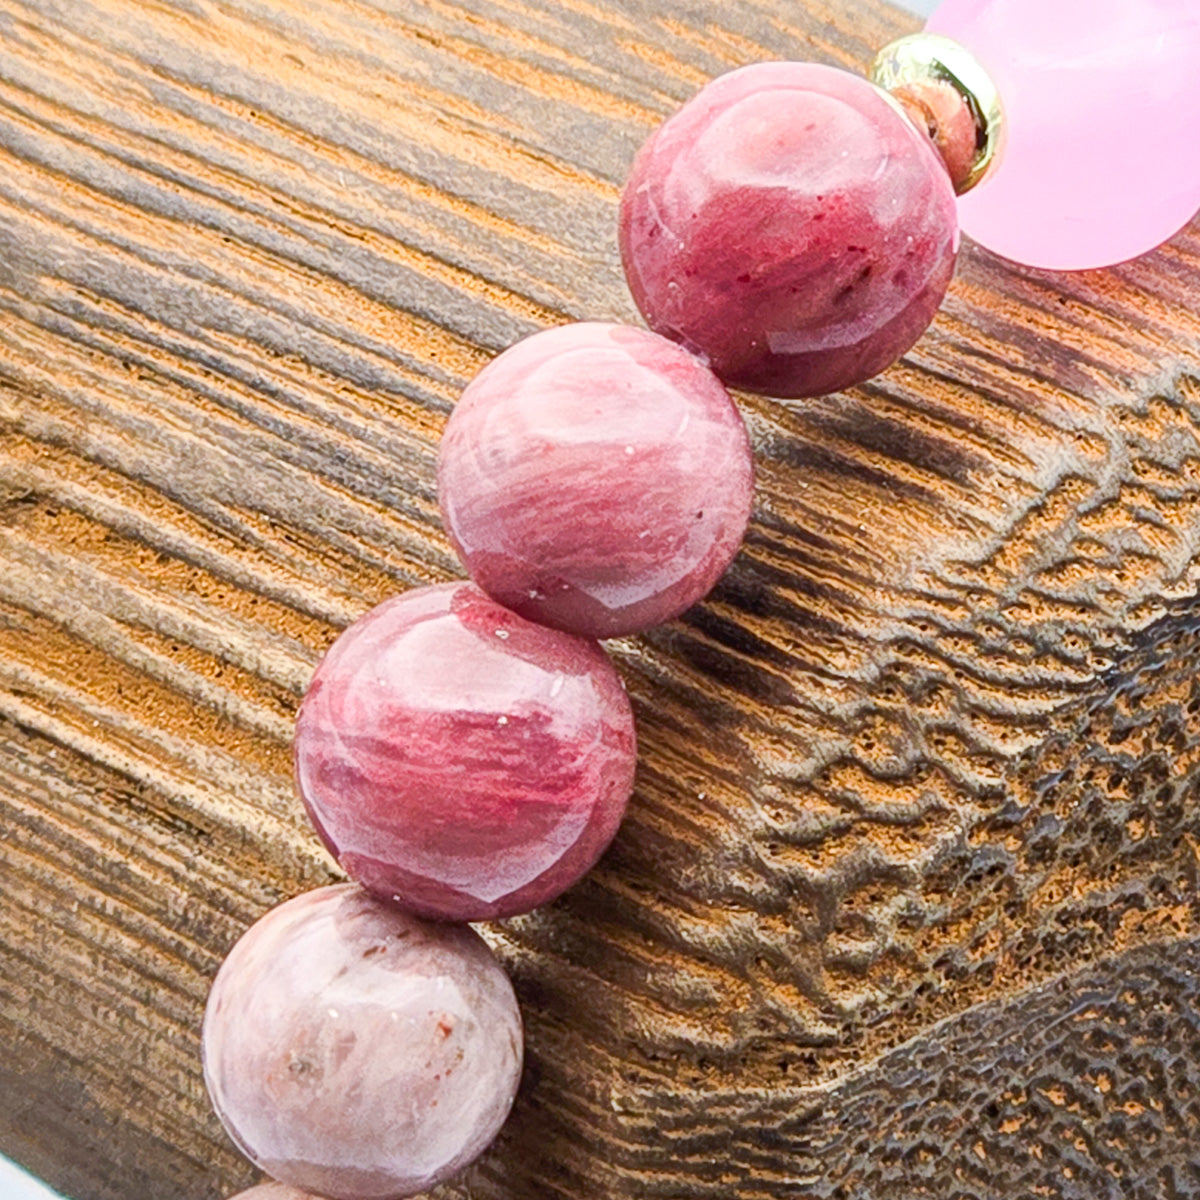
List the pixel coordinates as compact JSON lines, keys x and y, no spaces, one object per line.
{"x":906,"y":902}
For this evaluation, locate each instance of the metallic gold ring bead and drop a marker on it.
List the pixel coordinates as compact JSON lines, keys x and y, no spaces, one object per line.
{"x":930,"y":58}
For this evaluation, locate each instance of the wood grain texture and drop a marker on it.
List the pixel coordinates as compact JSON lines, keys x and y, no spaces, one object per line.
{"x":906,"y":903}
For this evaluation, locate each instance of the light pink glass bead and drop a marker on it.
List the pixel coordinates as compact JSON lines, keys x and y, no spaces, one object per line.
{"x":1102,"y":157}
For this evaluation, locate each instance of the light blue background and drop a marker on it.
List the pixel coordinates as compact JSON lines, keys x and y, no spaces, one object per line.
{"x":14,"y":1183}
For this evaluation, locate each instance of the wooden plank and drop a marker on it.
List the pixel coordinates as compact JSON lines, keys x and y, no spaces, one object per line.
{"x":917,"y":784}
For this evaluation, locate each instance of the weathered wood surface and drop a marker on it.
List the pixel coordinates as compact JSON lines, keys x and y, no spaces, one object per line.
{"x":906,"y":903}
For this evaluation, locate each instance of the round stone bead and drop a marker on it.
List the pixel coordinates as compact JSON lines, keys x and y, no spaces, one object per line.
{"x":596,"y":478}
{"x":461,"y":760}
{"x":354,"y":1051}
{"x":792,"y":226}
{"x":1100,"y":162}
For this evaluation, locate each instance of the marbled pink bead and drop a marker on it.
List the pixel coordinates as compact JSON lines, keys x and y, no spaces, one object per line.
{"x":596,"y":478}
{"x":461,"y":759}
{"x":1101,"y":161}
{"x":356,"y":1052}
{"x":791,"y":225}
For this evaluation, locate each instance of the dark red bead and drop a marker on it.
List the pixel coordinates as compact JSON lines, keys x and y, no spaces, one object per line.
{"x":460,"y":760}
{"x":596,"y":478}
{"x":792,"y":226}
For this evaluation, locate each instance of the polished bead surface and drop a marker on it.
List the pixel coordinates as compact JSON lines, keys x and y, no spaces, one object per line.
{"x":1101,"y":161}
{"x":462,"y":760}
{"x":357,"y":1052}
{"x":792,"y":226}
{"x":596,"y":478}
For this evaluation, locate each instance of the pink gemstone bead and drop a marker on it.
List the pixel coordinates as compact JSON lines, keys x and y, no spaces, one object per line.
{"x":790,"y":224}
{"x":354,"y":1051}
{"x":461,"y":760}
{"x":596,"y":478}
{"x":1102,"y":159}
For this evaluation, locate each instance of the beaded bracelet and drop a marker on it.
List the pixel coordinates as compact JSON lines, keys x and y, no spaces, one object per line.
{"x":466,"y":751}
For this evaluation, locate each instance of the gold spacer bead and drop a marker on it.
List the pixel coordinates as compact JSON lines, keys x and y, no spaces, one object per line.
{"x":929,"y":58}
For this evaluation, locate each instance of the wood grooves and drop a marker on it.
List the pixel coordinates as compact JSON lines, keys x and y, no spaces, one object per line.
{"x":918,"y":784}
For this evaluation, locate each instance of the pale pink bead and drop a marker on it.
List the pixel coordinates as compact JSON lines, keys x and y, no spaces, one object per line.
{"x":1102,"y":157}
{"x":356,"y":1052}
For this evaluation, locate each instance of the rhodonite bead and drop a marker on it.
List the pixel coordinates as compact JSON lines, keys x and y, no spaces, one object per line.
{"x":1101,"y":161}
{"x":791,"y":225}
{"x":596,"y":478}
{"x":357,"y":1052}
{"x":461,"y":760}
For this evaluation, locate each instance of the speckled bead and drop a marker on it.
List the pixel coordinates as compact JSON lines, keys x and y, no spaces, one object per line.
{"x":356,"y":1052}
{"x":791,"y":225}
{"x":596,"y":478}
{"x":461,"y":760}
